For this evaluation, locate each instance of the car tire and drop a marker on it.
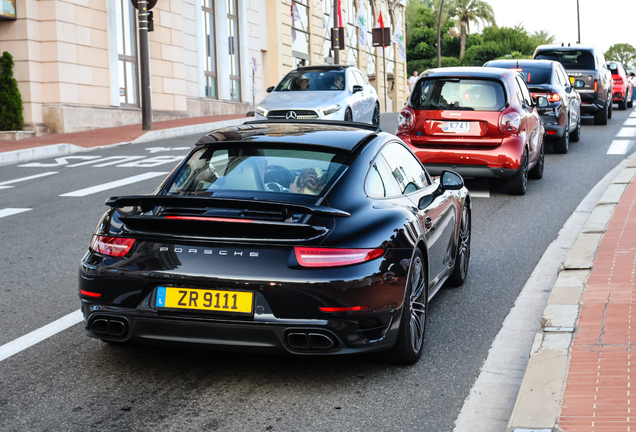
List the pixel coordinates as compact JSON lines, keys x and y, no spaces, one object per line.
{"x":348,"y":117}
{"x":610,"y":109}
{"x":410,"y":340}
{"x":630,"y":104}
{"x":622,"y":105}
{"x":376,"y":115}
{"x":462,"y":257}
{"x":536,"y":172}
{"x":518,"y":184}
{"x":575,"y":135}
{"x":561,"y":145}
{"x":600,"y":117}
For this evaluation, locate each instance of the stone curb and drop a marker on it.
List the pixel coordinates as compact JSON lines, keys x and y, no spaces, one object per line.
{"x":538,"y":403}
{"x":25,"y":155}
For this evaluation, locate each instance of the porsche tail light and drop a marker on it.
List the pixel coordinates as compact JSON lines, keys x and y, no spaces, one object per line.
{"x":111,"y":246}
{"x":343,"y":309}
{"x":553,"y":97}
{"x":509,"y":122}
{"x":331,"y":257}
{"x":90,"y":294}
{"x":406,"y":120}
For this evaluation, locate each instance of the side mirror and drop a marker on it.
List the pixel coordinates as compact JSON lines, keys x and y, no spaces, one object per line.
{"x":270,"y":89}
{"x":426,"y":201}
{"x":357,"y":88}
{"x":450,"y":180}
{"x":579,"y":84}
{"x":542,"y":102}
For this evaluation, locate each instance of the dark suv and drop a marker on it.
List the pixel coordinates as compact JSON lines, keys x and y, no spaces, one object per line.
{"x":588,"y":65}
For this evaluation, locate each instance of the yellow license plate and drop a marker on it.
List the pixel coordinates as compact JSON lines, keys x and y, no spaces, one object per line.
{"x":571,"y":80}
{"x":201,"y":299}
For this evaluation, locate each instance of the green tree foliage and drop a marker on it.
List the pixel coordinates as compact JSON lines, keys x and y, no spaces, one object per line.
{"x":10,"y":98}
{"x":623,"y":52}
{"x":467,"y":11}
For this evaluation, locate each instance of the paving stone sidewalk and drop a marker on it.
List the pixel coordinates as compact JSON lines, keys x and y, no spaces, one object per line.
{"x":578,"y":377}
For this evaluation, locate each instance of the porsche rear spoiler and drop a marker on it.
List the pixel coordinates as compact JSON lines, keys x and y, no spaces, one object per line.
{"x":148,"y":202}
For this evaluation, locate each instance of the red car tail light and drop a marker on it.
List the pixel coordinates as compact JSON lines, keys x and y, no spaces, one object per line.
{"x":111,"y":246}
{"x":89,"y":294}
{"x":595,"y":85}
{"x":509,"y":122}
{"x":553,"y":97}
{"x":618,"y":80}
{"x":331,"y":257}
{"x":343,"y":309}
{"x":406,"y":120}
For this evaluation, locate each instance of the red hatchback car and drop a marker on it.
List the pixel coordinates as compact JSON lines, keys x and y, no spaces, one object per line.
{"x":623,"y":87}
{"x":480,"y":122}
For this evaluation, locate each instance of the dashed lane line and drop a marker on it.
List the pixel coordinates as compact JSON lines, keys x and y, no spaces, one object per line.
{"x":37,"y":336}
{"x":12,"y":211}
{"x":619,"y":147}
{"x":626,"y":132}
{"x":3,"y":185}
{"x":630,"y":122}
{"x":112,"y":185}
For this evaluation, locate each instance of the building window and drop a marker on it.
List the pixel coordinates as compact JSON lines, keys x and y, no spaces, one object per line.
{"x":300,"y":34}
{"x":210,"y":50}
{"x":127,"y":53}
{"x":233,"y":49}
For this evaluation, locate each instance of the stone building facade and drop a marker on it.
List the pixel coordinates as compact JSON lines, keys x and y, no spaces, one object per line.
{"x":76,"y":61}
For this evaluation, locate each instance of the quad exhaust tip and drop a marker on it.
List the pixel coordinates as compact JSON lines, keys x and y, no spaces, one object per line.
{"x":310,"y":341}
{"x":114,"y":327}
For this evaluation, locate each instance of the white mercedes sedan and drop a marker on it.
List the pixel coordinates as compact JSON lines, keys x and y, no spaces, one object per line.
{"x":328,"y":92}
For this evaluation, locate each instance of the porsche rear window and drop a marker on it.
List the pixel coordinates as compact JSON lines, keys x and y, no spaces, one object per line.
{"x":458,"y":94}
{"x":570,"y":59}
{"x":245,"y":169}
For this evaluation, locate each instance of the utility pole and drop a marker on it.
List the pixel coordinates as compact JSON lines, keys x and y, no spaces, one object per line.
{"x":146,"y":109}
{"x":578,"y":21}
{"x":439,"y":35}
{"x":336,"y":49}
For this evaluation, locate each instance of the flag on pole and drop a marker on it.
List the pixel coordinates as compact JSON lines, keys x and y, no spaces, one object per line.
{"x":361,"y":23}
{"x":398,"y":39}
{"x":380,"y":23}
{"x":295,"y":15}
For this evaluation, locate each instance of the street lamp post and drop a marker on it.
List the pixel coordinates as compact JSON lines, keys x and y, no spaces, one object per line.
{"x":578,"y":21}
{"x":439,"y":35}
{"x":146,"y":110}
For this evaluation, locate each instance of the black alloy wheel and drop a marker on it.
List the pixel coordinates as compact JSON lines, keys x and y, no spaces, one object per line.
{"x":601,"y":116}
{"x":518,"y":184}
{"x":376,"y":115}
{"x":410,"y":341}
{"x":460,"y":271}
{"x":561,"y":145}
{"x":575,"y":135}
{"x":348,"y":117}
{"x":536,"y":172}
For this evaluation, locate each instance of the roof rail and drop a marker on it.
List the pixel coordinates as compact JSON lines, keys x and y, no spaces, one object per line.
{"x":357,"y":125}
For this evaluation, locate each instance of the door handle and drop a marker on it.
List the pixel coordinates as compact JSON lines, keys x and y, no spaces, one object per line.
{"x":428,"y":223}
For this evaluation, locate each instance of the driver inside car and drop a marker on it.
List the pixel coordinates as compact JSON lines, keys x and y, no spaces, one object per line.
{"x":309,"y":182}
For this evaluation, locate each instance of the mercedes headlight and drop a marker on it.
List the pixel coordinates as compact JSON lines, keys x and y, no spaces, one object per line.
{"x":261,"y":112}
{"x":331,"y":110}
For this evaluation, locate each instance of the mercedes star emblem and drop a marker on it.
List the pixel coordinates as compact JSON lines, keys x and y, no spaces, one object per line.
{"x":291,"y":115}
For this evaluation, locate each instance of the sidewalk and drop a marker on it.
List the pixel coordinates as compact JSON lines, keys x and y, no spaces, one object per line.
{"x":578,"y":376}
{"x":59,"y":144}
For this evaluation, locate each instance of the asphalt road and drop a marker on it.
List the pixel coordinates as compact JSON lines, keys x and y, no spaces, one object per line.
{"x":74,"y":383}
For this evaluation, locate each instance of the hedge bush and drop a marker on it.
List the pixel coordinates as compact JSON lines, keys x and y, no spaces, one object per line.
{"x":11,"y":118}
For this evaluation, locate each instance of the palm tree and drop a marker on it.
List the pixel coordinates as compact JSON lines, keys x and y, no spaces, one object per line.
{"x":465,"y":11}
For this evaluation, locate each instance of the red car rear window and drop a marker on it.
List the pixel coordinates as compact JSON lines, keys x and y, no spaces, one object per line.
{"x":458,"y":94}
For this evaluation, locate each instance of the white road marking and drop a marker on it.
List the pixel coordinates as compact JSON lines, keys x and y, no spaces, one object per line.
{"x":630,"y":122}
{"x":117,"y":159}
{"x":58,"y":161}
{"x":619,"y":147}
{"x":11,"y":211}
{"x":480,"y":189}
{"x":633,"y":114}
{"x":36,"y":336}
{"x":114,"y":184}
{"x":151,"y":162}
{"x":46,"y":174}
{"x":163,"y":149}
{"x":626,"y":132}
{"x":480,"y":193}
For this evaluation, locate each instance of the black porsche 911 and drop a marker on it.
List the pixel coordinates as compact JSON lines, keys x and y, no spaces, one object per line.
{"x":281,"y":237}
